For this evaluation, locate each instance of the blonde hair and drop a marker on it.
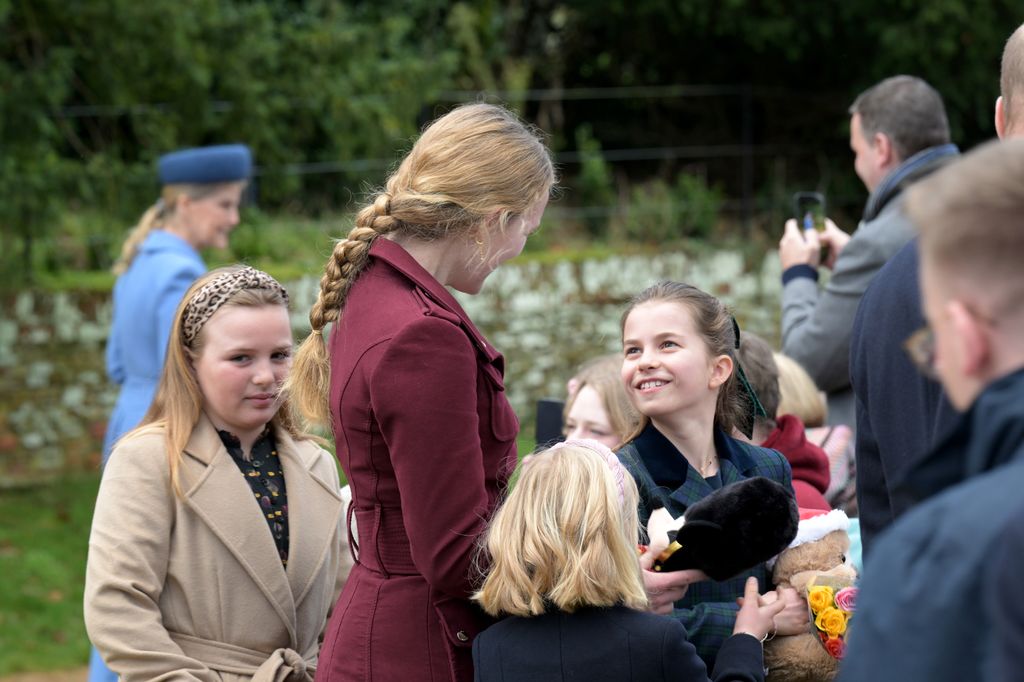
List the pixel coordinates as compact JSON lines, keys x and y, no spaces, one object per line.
{"x":604,"y":375}
{"x":473,"y":162}
{"x":969,"y":217}
{"x":564,"y":536}
{"x":798,"y":394}
{"x":717,"y":329}
{"x":178,"y":402}
{"x":156,"y":217}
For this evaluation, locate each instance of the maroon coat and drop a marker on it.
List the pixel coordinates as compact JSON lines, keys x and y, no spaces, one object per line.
{"x":426,"y":437}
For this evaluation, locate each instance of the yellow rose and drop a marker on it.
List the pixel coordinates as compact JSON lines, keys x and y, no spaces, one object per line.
{"x":832,"y":621}
{"x":819,"y":597}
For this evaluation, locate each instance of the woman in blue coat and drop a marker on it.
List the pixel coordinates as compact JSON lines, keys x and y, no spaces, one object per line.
{"x":197,"y":209}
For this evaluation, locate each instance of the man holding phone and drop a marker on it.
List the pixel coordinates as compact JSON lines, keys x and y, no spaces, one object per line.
{"x":899,"y":134}
{"x":902,"y":413}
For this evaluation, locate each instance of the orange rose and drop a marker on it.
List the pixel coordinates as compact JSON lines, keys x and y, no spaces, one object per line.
{"x":819,"y":598}
{"x":832,"y":621}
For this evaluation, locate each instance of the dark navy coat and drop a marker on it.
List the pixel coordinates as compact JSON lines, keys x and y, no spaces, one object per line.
{"x":900,"y":413}
{"x":922,"y":612}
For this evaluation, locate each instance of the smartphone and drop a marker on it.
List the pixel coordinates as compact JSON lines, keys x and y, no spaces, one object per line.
{"x":548,"y":426}
{"x":809,"y":210}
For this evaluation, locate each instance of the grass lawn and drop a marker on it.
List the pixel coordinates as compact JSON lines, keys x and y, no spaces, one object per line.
{"x":43,"y":543}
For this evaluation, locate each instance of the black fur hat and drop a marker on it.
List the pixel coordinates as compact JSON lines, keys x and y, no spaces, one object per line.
{"x":733,"y":529}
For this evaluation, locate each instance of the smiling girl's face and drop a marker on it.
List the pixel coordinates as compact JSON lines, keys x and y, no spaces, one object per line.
{"x":667,"y":367}
{"x":243,"y":359}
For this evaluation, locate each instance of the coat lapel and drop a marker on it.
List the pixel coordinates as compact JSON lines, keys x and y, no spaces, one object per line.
{"x":314,"y":507}
{"x":693,"y":489}
{"x":224,"y":501}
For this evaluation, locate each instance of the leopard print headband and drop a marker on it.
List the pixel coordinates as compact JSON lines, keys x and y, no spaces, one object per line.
{"x":212,"y":295}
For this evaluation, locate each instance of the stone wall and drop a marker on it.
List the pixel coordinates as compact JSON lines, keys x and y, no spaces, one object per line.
{"x":546,"y":319}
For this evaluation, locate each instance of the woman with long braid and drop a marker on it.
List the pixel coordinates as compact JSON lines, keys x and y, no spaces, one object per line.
{"x":414,"y":392}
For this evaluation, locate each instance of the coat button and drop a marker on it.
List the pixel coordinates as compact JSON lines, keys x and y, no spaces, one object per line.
{"x":462,"y":636}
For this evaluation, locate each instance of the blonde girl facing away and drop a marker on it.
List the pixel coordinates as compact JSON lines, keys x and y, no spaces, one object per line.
{"x":681,"y":373}
{"x":415,"y":394}
{"x":217,"y":545}
{"x":564,"y":569}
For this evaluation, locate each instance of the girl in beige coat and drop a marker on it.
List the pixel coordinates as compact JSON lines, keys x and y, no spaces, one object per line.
{"x":217,"y":544}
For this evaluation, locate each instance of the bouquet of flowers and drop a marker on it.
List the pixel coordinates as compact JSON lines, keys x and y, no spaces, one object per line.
{"x":832,"y":602}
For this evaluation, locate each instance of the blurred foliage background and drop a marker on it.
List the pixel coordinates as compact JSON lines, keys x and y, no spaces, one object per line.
{"x":668,"y":118}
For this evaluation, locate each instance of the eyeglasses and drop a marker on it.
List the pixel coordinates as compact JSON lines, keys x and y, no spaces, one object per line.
{"x":920,"y":348}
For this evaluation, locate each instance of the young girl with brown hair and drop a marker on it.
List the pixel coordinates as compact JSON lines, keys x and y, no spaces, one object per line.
{"x":680,"y":371}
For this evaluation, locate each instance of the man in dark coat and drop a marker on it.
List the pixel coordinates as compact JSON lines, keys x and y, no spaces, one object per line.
{"x":924,"y":611}
{"x":900,"y":412}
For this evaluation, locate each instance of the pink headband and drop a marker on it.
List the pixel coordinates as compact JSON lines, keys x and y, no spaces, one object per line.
{"x":609,"y":457}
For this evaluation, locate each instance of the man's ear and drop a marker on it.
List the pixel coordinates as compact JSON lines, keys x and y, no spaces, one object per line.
{"x":721,"y":369}
{"x":973,"y":348}
{"x":1000,"y":118}
{"x":886,"y":151}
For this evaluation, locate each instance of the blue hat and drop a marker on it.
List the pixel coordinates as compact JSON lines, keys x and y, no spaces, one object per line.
{"x":201,"y":165}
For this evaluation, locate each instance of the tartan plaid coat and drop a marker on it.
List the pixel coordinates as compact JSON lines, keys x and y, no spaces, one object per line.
{"x":708,"y":611}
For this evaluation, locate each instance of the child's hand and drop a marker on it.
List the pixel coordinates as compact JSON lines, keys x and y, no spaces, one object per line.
{"x":756,"y":616}
{"x":665,"y":589}
{"x":793,"y":619}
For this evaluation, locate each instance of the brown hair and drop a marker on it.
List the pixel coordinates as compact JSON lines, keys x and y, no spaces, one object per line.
{"x":715,"y":324}
{"x":1011,"y":80}
{"x":906,"y":109}
{"x":798,"y":394}
{"x":969,"y":217}
{"x":755,"y":356}
{"x":475,"y":160}
{"x":178,"y":402}
{"x":156,"y":215}
{"x":604,"y":375}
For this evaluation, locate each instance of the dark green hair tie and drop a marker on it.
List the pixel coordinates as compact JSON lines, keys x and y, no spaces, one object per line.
{"x":756,"y":408}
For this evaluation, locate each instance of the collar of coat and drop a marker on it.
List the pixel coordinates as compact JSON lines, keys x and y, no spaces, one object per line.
{"x":669,"y":468}
{"x":910,"y":171}
{"x":399,"y":259}
{"x":218,"y":494}
{"x":162,"y":240}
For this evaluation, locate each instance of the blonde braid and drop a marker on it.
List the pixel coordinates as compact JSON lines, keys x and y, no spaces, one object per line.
{"x":310,"y":379}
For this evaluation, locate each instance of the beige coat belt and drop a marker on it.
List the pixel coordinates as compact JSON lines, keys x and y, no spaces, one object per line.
{"x":283,"y":665}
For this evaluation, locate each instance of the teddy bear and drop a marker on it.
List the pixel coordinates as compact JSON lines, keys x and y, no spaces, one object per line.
{"x":816,"y":555}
